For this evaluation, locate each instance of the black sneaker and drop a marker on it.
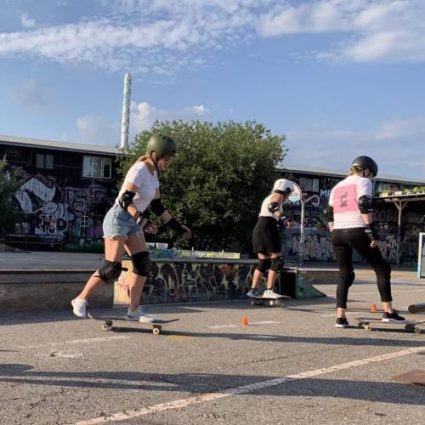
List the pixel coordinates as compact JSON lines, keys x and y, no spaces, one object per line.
{"x":393,"y":317}
{"x":341,"y":322}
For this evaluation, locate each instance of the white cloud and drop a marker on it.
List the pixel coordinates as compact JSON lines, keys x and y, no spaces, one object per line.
{"x":162,"y":36}
{"x":393,"y":145}
{"x":143,"y":115}
{"x":29,"y":93}
{"x":97,"y":130}
{"x":390,"y":30}
{"x":26,"y":21}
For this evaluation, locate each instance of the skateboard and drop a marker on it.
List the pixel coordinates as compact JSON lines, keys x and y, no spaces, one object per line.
{"x":268,"y":301}
{"x":409,"y":325}
{"x":108,"y":322}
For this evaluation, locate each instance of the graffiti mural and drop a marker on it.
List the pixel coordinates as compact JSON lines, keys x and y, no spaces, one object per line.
{"x":317,"y":246}
{"x":51,"y":210}
{"x":194,"y":281}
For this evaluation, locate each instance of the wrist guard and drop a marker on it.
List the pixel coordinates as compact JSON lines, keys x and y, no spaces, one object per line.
{"x":371,"y":231}
{"x":176,"y":226}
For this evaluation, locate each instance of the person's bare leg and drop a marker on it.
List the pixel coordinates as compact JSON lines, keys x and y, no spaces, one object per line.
{"x":388,"y":307}
{"x":135,"y":289}
{"x":113,"y":252}
{"x":257,"y":275}
{"x":135,"y":244}
{"x":340,"y":312}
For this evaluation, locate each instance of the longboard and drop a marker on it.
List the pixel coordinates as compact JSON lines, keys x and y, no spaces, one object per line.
{"x":409,"y":325}
{"x":268,"y":301}
{"x":108,"y":322}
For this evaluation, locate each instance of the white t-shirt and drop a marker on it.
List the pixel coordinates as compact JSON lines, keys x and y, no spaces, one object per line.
{"x":146,"y":184}
{"x":264,"y":212}
{"x":344,"y":199}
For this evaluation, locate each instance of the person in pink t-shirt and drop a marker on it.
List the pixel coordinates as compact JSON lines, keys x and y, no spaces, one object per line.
{"x":349,"y":215}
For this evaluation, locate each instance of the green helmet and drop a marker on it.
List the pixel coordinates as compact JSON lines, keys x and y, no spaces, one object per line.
{"x":161,"y":145}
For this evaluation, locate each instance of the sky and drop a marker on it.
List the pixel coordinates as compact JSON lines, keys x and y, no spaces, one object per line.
{"x":337,"y":78}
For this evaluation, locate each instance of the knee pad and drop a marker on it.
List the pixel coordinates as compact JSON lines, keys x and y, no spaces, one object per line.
{"x":141,"y":263}
{"x":110,"y":270}
{"x":277,"y":264}
{"x":263,"y":265}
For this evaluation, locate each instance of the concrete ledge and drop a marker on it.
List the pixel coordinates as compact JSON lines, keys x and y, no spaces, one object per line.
{"x":24,"y":290}
{"x":320,"y":276}
{"x":184,"y":281}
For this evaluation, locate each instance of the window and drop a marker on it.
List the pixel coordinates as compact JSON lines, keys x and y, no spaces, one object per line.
{"x":44,"y":161}
{"x":97,"y":167}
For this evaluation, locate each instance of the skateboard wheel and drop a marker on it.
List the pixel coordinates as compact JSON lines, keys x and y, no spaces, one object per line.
{"x":416,"y":330}
{"x":368,"y":327}
{"x":271,"y":302}
{"x":156,"y":330}
{"x":107,"y":326}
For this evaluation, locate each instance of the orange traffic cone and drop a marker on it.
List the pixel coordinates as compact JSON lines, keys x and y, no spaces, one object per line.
{"x":373,"y":308}
{"x":244,"y":321}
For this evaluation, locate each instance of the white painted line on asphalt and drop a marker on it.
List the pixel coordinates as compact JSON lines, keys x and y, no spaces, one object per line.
{"x":76,"y":341}
{"x":244,"y":389}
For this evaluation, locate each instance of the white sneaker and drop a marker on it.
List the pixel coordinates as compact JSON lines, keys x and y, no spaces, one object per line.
{"x":79,"y":307}
{"x":269,"y":293}
{"x":139,"y":315}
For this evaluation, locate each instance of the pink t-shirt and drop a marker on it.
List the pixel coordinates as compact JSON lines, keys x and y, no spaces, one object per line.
{"x":344,"y":200}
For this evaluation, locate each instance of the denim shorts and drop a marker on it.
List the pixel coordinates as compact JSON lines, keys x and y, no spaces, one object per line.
{"x":118,"y":222}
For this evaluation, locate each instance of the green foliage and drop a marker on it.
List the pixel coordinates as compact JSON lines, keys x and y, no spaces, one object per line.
{"x":9,"y":183}
{"x":220,"y":175}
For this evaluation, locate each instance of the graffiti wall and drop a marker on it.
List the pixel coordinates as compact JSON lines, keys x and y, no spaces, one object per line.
{"x":53,"y":210}
{"x":191,"y":281}
{"x":317,"y":246}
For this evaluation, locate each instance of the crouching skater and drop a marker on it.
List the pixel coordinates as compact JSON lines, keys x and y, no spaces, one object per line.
{"x":124,"y":226}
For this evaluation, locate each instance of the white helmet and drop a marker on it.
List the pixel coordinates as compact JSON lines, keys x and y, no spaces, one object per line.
{"x":284,"y":186}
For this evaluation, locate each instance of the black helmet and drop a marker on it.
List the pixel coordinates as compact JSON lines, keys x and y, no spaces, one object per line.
{"x":363,"y":162}
{"x":162,"y":145}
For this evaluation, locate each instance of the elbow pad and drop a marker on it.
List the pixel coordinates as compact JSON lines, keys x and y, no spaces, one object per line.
{"x":365,"y":204}
{"x":329,"y":212}
{"x":126,"y":199}
{"x":156,"y":207}
{"x":273,"y":207}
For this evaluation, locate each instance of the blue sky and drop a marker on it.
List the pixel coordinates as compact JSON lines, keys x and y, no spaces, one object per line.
{"x":339,"y":78}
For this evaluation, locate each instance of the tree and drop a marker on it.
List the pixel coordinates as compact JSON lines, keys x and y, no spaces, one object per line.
{"x":9,"y":183}
{"x":219,"y":177}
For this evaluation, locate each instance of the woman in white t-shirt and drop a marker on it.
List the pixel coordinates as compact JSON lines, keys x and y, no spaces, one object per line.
{"x":350,"y":222}
{"x":266,"y":239}
{"x":124,"y":224}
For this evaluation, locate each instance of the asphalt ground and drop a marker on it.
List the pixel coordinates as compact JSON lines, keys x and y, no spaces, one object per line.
{"x":290,"y":365}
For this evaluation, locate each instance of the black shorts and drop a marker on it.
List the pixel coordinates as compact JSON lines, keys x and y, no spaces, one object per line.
{"x":265,"y":236}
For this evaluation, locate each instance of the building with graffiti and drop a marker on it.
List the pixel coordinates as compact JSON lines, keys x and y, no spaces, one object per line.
{"x":66,"y":189}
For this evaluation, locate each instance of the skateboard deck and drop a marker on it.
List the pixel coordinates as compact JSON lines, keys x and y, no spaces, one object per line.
{"x":268,"y":301}
{"x":108,"y":322}
{"x":409,"y":325}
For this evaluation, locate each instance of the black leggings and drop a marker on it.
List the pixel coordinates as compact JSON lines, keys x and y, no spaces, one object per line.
{"x":343,"y":242}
